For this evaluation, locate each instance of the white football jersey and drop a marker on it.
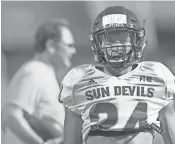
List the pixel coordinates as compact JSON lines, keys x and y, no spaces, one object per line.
{"x":126,"y":103}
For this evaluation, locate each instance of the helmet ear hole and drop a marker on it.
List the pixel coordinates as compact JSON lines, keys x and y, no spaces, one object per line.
{"x":91,"y":37}
{"x":142,"y":33}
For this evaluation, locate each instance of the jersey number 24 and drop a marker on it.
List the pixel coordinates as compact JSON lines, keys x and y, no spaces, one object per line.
{"x":139,"y":115}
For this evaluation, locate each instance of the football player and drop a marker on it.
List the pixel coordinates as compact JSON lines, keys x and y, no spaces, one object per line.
{"x":123,"y":99}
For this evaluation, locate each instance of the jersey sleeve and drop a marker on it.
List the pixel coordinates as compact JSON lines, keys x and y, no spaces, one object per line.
{"x":67,"y":94}
{"x":169,"y":79}
{"x":66,"y":89}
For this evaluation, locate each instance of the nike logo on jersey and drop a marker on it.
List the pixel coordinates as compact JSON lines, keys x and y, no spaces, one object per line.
{"x":101,"y":92}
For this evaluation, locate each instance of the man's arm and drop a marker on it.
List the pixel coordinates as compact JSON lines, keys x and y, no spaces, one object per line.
{"x":167,"y":114}
{"x":16,"y":122}
{"x":167,"y":121}
{"x":72,"y":128}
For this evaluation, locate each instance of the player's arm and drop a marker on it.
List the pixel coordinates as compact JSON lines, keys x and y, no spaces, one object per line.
{"x":167,"y":115}
{"x":73,"y":121}
{"x":22,"y":95}
{"x":167,"y":121}
{"x":72,"y":128}
{"x":16,"y":122}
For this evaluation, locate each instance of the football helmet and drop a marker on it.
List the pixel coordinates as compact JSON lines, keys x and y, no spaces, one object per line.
{"x":117,"y":38}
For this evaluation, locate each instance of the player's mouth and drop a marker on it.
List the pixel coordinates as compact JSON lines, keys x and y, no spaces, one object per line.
{"x":118,"y":56}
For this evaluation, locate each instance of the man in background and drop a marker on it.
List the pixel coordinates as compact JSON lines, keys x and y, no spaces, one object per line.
{"x":34,"y":88}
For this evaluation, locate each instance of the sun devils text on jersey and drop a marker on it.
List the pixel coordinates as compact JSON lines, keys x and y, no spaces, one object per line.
{"x":130,"y":102}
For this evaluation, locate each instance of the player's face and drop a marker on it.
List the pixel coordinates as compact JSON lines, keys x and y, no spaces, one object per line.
{"x":117,"y":45}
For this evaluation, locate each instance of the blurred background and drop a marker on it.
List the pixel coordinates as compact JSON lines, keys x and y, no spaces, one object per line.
{"x":19,"y":20}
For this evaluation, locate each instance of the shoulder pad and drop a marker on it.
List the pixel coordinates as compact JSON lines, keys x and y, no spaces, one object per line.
{"x":164,"y":73}
{"x":148,"y":65}
{"x":70,"y":80}
{"x":154,"y":67}
{"x":169,"y":79}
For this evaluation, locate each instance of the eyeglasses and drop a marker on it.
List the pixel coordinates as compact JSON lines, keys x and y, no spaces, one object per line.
{"x":68,"y":45}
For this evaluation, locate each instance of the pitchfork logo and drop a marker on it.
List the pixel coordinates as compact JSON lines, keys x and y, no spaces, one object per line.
{"x":146,"y":78}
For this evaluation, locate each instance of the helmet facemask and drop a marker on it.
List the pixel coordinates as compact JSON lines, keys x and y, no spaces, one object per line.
{"x":118,"y":47}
